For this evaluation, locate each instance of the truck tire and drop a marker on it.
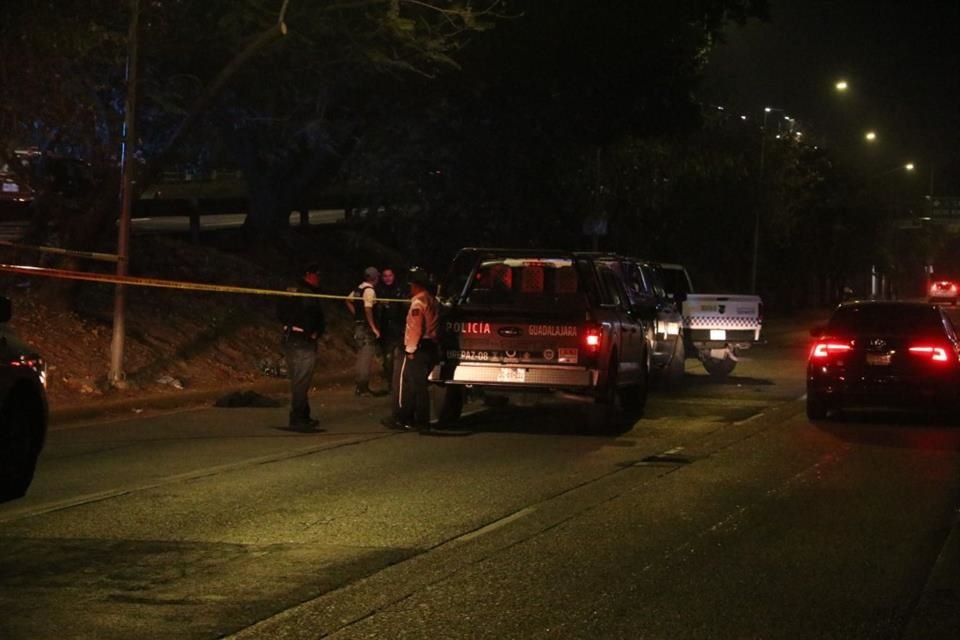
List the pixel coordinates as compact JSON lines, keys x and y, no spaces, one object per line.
{"x":633,"y":399}
{"x":451,"y":406}
{"x":607,"y":414}
{"x":676,"y":366}
{"x":719,"y":367}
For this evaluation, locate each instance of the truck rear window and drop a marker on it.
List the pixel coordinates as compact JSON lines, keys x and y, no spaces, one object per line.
{"x":524,"y":283}
{"x":674,"y":281}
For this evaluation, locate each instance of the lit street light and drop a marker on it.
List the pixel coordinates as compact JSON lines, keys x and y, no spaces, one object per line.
{"x":870,"y":136}
{"x":841,"y":86}
{"x":908,"y":167}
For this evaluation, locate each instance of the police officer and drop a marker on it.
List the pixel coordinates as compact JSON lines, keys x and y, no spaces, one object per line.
{"x":366,"y":333}
{"x":392,"y":317}
{"x":421,"y":353}
{"x":303,"y":323}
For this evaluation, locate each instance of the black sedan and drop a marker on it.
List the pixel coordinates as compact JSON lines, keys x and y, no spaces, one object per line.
{"x":23,"y":410}
{"x":883,"y":354}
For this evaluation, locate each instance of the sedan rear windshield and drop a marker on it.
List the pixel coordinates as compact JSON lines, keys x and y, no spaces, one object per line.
{"x":887,"y":319}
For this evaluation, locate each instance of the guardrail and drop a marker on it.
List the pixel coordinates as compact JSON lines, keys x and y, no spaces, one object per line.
{"x":190,"y":221}
{"x":196,"y":221}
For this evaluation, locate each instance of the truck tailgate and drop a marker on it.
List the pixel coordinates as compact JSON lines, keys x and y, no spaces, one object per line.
{"x":509,"y":339}
{"x":732,"y":313}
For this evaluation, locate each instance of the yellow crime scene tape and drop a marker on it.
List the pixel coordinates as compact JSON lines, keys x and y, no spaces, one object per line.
{"x":106,"y":278}
{"x":92,"y":255}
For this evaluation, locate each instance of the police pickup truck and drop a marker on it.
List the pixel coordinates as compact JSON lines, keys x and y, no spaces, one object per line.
{"x":716,"y":327}
{"x":546,"y":321}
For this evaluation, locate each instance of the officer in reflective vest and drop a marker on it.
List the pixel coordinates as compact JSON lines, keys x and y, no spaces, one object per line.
{"x":421,"y":354}
{"x":361,"y":303}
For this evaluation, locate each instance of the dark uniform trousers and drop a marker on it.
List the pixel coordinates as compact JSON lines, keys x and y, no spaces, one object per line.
{"x":301,"y":355}
{"x":413,"y":407}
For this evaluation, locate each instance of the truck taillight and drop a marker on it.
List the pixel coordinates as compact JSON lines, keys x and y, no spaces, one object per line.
{"x":592,"y":340}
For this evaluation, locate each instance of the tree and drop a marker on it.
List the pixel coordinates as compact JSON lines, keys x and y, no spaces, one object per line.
{"x":60,"y":72}
{"x":292,"y":134}
{"x":508,"y":148}
{"x":274,"y":81}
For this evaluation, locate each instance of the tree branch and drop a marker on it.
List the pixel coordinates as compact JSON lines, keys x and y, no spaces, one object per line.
{"x":199,"y":107}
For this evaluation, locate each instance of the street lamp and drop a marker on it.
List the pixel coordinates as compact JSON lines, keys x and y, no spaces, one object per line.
{"x":841,"y":86}
{"x":908,"y":167}
{"x":870,"y":136}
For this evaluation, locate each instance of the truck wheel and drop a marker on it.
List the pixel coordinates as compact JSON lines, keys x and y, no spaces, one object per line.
{"x":606,"y":415}
{"x":719,"y":367}
{"x":607,"y":394}
{"x":634,"y":397}
{"x":675,"y":369}
{"x":452,"y":404}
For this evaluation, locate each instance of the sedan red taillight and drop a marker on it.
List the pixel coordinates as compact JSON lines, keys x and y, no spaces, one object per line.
{"x":824,"y":349}
{"x":944,"y":286}
{"x":931,"y":352}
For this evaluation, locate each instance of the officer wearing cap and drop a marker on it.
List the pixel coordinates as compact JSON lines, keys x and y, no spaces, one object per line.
{"x":421,"y":353}
{"x":303,"y":323}
{"x":361,"y":302}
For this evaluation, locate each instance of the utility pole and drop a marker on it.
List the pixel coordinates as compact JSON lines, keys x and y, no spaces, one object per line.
{"x":128,"y":166}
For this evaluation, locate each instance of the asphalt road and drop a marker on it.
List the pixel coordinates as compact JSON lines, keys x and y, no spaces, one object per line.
{"x":723,"y":513}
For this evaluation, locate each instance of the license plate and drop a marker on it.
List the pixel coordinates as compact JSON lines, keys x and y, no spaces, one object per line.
{"x":718,"y":334}
{"x":878,"y":359}
{"x":10,"y":187}
{"x":511,"y":375}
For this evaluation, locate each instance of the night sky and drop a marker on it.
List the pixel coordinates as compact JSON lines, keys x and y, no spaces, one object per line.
{"x":902,"y":61}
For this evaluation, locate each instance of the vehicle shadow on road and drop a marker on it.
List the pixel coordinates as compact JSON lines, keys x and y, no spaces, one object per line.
{"x":301,"y":430}
{"x":540,"y":419}
{"x":895,"y":429}
{"x":704,"y":380}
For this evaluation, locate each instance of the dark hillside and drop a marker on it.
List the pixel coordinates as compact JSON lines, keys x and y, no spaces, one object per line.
{"x":193,"y":340}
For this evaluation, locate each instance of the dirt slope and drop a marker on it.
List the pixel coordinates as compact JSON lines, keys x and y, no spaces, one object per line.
{"x":182,"y":339}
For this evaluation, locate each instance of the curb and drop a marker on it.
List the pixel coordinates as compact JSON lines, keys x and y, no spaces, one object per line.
{"x":178,"y":399}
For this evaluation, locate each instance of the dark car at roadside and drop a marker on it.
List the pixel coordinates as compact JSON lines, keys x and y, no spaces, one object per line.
{"x":884,"y":354}
{"x":943,"y":290}
{"x":23,"y":409}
